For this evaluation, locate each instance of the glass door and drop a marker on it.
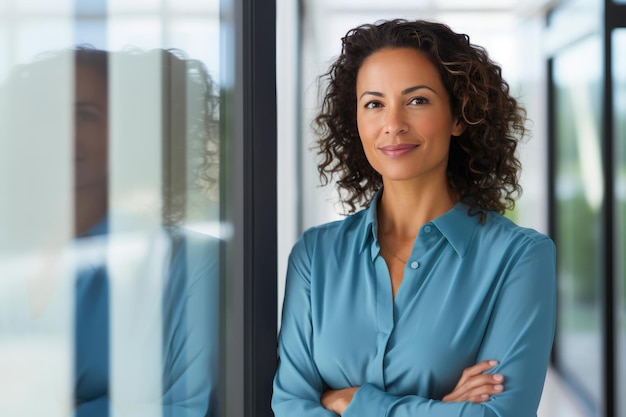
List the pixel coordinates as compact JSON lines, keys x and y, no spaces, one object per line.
{"x":579,"y":186}
{"x":126,"y":179}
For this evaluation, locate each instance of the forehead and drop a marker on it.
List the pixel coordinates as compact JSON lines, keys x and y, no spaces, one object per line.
{"x":397,"y":65}
{"x":90,"y":82}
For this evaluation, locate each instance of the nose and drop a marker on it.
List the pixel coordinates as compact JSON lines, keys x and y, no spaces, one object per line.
{"x":395,"y":121}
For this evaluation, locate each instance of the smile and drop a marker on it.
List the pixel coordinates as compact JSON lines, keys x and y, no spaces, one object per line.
{"x":394,"y":151}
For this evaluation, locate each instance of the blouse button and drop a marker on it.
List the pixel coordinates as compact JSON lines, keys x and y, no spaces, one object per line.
{"x":415,"y":264}
{"x":427,"y":229}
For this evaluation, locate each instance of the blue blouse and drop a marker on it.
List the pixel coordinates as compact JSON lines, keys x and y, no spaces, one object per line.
{"x":470,"y":292}
{"x":190,"y":325}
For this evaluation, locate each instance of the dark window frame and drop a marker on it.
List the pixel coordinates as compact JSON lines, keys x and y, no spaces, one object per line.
{"x":613,"y":17}
{"x":249,"y":291}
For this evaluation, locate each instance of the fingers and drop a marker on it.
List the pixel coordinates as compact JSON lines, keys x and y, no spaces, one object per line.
{"x":483,"y":380}
{"x":477,"y":369}
{"x":481,"y":388}
{"x":338,"y":400}
{"x":476,"y":386}
{"x":477,"y":389}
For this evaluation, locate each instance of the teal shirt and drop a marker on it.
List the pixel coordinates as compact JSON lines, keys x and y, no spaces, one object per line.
{"x":190,"y":327}
{"x":470,"y":292}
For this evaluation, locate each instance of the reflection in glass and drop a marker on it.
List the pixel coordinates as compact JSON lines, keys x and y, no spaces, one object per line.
{"x":579,"y":196}
{"x":124,"y":292}
{"x":619,"y":117}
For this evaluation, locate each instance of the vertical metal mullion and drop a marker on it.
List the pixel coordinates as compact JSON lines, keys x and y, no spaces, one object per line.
{"x":249,"y":313}
{"x":551,"y":171}
{"x":608,"y":219}
{"x":299,"y":97}
{"x":614,"y":18}
{"x":259,"y":88}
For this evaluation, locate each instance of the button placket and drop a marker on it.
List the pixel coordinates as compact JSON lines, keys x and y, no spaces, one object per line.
{"x":384,"y":317}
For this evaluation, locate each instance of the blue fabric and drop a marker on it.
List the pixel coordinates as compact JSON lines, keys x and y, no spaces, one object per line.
{"x":470,"y":292}
{"x":190,"y":329}
{"x":92,"y":343}
{"x":91,"y":323}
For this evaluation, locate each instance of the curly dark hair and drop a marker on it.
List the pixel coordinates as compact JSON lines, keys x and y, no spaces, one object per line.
{"x":192,"y":101}
{"x":190,"y":122}
{"x":483,"y":168}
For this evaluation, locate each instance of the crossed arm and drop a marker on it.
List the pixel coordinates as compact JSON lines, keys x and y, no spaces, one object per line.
{"x":519,"y":337}
{"x":473,"y":386}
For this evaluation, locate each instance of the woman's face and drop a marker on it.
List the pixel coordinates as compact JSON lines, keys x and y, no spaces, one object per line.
{"x":91,"y":130}
{"x":403,"y":115}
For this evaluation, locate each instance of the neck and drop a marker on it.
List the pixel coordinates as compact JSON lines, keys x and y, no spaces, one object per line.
{"x":90,"y":207}
{"x":405,"y":207}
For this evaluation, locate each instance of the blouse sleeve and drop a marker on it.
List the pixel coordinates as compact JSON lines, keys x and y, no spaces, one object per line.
{"x":519,"y":335}
{"x":191,"y":327}
{"x":298,"y":385}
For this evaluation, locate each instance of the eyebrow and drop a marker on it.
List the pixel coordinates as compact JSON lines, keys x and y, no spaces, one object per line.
{"x":87,"y":104}
{"x":403,"y":92}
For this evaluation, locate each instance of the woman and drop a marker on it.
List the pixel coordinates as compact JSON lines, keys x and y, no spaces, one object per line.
{"x":429,"y":301}
{"x":188,"y":263}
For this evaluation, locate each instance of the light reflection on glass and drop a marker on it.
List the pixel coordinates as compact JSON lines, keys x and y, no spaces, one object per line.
{"x":619,"y":117}
{"x":579,"y":186}
{"x":109,"y":242}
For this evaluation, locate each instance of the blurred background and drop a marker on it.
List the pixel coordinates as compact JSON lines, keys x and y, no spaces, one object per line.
{"x":565,"y":61}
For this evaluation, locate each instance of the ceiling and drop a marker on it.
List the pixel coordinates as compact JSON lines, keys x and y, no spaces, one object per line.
{"x":430,"y":6}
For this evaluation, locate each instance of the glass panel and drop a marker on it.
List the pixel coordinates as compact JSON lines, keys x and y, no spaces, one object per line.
{"x":36,"y":299}
{"x":576,"y":15}
{"x":109,"y":226}
{"x":579,"y":195}
{"x":619,"y":116}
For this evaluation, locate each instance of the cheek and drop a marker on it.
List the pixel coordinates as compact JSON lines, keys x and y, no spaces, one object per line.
{"x":368,"y":150}
{"x":93,"y":141}
{"x":437,"y":130}
{"x":366,"y":130}
{"x":366,"y":141}
{"x":432,"y":124}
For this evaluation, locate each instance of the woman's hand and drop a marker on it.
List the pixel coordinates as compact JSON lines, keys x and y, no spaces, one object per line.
{"x":475,"y":386}
{"x":338,"y":400}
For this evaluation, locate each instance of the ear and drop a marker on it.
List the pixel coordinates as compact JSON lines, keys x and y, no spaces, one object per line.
{"x":458,"y":127}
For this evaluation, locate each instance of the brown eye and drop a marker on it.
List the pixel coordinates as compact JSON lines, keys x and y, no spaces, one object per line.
{"x":372,"y":104}
{"x":87,"y":114}
{"x":418,"y":100}
{"x":85,"y":117}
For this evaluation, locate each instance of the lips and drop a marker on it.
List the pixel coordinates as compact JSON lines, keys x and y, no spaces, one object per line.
{"x":394,"y":151}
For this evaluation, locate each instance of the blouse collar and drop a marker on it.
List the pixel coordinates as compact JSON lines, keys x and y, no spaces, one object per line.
{"x":456,"y":225}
